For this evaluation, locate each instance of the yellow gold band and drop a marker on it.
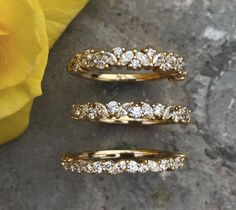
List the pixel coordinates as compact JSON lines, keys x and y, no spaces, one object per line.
{"x":126,"y":113}
{"x":118,"y":161}
{"x":148,"y":64}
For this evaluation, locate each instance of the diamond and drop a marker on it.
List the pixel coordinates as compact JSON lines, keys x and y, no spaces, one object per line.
{"x":126,"y":57}
{"x":142,"y":58}
{"x":97,"y":167}
{"x":135,"y":63}
{"x":143,"y":168}
{"x":128,"y":106}
{"x":108,"y":165}
{"x":91,"y":113}
{"x":101,"y":110}
{"x":158,"y":109}
{"x":88,"y":168}
{"x":158,"y":59}
{"x":147,"y":110}
{"x":153,"y":166}
{"x":117,"y":51}
{"x":115,"y":169}
{"x":185,"y":114}
{"x":122,"y":165}
{"x":109,"y":58}
{"x":112,"y":107}
{"x":132,"y":166}
{"x":121,"y":112}
{"x":136,"y":112}
{"x":178,"y":163}
{"x":164,"y":165}
{"x":168,"y":113}
{"x":150,"y":53}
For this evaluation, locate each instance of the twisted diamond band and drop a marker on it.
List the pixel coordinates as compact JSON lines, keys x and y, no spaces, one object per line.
{"x":93,"y":64}
{"x":119,"y":161}
{"x":142,"y":112}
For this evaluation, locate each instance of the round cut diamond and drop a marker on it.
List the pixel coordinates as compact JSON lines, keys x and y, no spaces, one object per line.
{"x":97,"y":167}
{"x":136,"y":112}
{"x":112,"y":107}
{"x":109,"y":58}
{"x":147,"y":110}
{"x":117,"y":51}
{"x":122,"y":165}
{"x":108,"y":165}
{"x":126,"y":57}
{"x":115,"y":169}
{"x":101,"y":110}
{"x":132,"y":166}
{"x":178,"y":162}
{"x":168,"y":113}
{"x":150,"y":53}
{"x":142,"y":58}
{"x":158,"y":59}
{"x":135,"y":63}
{"x":143,"y":168}
{"x":128,"y":106}
{"x":121,"y":112}
{"x":158,"y":109}
{"x":153,"y":166}
{"x":164,"y":165}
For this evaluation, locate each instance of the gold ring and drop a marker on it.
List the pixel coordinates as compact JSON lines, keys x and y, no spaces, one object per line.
{"x":148,"y":63}
{"x":130,"y":112}
{"x":118,"y":161}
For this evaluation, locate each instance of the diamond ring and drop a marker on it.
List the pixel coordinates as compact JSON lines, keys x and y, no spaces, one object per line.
{"x":130,"y":112}
{"x":146,"y":64}
{"x":119,"y":161}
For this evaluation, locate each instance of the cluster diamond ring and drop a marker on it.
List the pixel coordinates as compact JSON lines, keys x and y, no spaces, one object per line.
{"x":120,"y":161}
{"x":146,"y":64}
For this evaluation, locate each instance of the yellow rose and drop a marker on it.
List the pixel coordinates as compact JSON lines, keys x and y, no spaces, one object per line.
{"x":27,"y":29}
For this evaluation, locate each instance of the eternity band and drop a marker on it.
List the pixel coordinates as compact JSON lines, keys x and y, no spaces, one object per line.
{"x":118,"y":161}
{"x":146,"y":64}
{"x":130,"y":112}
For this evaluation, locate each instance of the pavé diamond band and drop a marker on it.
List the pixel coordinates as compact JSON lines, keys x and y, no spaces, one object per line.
{"x":130,"y":112}
{"x":118,"y":161}
{"x":147,"y":64}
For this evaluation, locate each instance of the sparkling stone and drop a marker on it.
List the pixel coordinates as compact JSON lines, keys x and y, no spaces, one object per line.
{"x":122,"y":165}
{"x":77,"y":112}
{"x":176,"y":116}
{"x":91,"y":113}
{"x":109,"y":58}
{"x":112,"y":107}
{"x":128,"y":106}
{"x":136,"y":112}
{"x":100,"y":64}
{"x":164,"y":165}
{"x":147,"y":110}
{"x":143,"y":168}
{"x":151,"y":53}
{"x":101,"y":110}
{"x":142,"y":58}
{"x":178,"y":162}
{"x":132,"y":166}
{"x":153,"y":166}
{"x":108,"y":165}
{"x":115,"y":169}
{"x":165,"y":66}
{"x":158,"y":109}
{"x":158,"y":59}
{"x":89,"y":168}
{"x":135,"y":63}
{"x":117,"y":51}
{"x":121,"y":112}
{"x":180,"y":65}
{"x":185,"y":114}
{"x":126,"y":57}
{"x":97,"y":167}
{"x":168,"y":113}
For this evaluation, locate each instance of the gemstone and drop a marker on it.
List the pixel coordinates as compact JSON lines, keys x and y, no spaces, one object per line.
{"x":150,"y":53}
{"x":107,"y":165}
{"x":91,"y":113}
{"x":101,"y":110}
{"x":115,"y":169}
{"x":136,"y":112}
{"x":112,"y":107}
{"x":109,"y":58}
{"x":168,"y":113}
{"x":122,"y":165}
{"x":128,"y":106}
{"x":126,"y":57}
{"x":121,"y":112}
{"x":178,"y":162}
{"x":158,"y":59}
{"x":143,"y":168}
{"x":147,"y":110}
{"x":185,"y":114}
{"x":142,"y":58}
{"x":153,"y":166}
{"x":135,"y":63}
{"x":89,"y":168}
{"x":132,"y":166}
{"x":97,"y":167}
{"x":158,"y":109}
{"x":164,"y":165}
{"x":117,"y":51}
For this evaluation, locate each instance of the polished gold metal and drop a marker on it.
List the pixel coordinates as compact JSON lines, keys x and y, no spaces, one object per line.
{"x":146,"y":64}
{"x":118,"y":161}
{"x":130,"y":112}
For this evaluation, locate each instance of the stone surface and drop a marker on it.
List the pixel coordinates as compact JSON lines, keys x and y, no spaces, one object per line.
{"x":204,"y":33}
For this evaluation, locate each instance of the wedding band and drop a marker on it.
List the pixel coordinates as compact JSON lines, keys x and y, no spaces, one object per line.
{"x":118,"y":161}
{"x":130,"y":112}
{"x":148,"y":63}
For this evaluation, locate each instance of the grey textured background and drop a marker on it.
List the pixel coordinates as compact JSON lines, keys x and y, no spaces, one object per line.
{"x":203,"y":31}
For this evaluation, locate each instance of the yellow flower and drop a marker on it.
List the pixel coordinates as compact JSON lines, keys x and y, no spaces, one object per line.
{"x":27,"y":29}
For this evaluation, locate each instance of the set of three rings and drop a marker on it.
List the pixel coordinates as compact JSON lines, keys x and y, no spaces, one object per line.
{"x":121,"y":65}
